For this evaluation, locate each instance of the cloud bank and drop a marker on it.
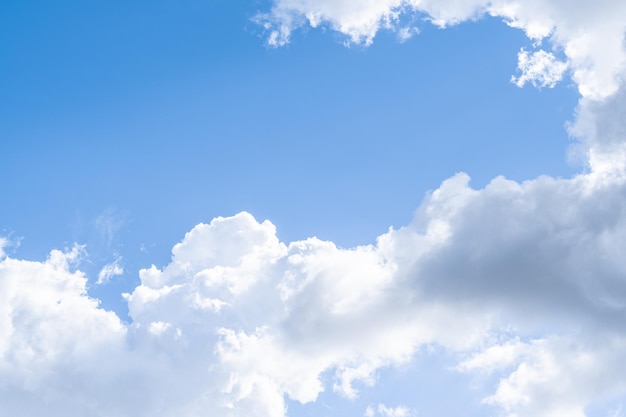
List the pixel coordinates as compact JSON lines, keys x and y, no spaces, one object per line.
{"x":238,"y":320}
{"x":526,"y":280}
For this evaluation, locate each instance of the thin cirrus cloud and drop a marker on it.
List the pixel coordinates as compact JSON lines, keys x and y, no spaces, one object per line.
{"x":525,"y":280}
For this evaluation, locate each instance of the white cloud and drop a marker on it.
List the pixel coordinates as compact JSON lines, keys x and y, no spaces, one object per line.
{"x":590,"y":34}
{"x":496,"y":357}
{"x":539,"y":255}
{"x":212,"y":332}
{"x":54,"y":340}
{"x":559,"y":376}
{"x":214,"y":329}
{"x":601,"y":128}
{"x":540,"y":68}
{"x":110,"y":270}
{"x":406,"y":33}
{"x":383,"y":411}
{"x":359,"y":20}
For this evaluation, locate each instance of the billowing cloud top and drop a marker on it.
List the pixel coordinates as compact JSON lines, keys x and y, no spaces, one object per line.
{"x":526,"y":280}
{"x":214,"y":329}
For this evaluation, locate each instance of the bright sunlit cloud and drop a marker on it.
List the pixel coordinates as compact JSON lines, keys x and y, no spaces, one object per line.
{"x":521,"y":280}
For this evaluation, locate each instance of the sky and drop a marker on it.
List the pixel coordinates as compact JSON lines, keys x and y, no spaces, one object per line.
{"x":317,"y":208}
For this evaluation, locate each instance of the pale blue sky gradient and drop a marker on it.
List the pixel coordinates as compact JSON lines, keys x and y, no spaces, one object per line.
{"x":166,"y":114}
{"x":125,"y":124}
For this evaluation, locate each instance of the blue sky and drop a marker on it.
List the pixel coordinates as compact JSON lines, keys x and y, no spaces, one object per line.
{"x":163,"y":115}
{"x":125,"y":126}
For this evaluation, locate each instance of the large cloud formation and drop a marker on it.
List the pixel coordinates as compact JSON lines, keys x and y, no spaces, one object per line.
{"x":524,"y":280}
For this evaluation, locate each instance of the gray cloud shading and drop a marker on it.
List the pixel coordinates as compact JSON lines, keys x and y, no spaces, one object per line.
{"x":525,"y":280}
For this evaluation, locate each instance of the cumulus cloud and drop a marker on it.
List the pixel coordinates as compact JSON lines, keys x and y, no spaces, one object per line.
{"x":524,"y":280}
{"x":555,"y":376}
{"x":540,"y":68}
{"x":214,"y":329}
{"x":590,"y":34}
{"x":600,"y":126}
{"x":55,"y":343}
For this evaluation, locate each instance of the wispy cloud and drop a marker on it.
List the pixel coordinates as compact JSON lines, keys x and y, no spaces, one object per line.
{"x":383,"y":411}
{"x":108,"y":224}
{"x":110,"y":270}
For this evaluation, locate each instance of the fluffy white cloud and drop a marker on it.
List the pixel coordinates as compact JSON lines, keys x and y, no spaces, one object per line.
{"x":540,"y":68}
{"x":239,"y":320}
{"x":555,"y":376}
{"x":55,"y":343}
{"x":590,"y":34}
{"x":523,"y":280}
